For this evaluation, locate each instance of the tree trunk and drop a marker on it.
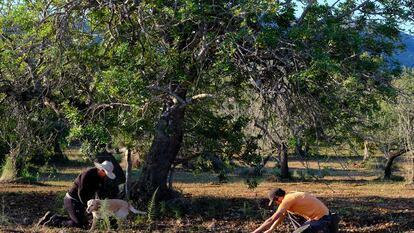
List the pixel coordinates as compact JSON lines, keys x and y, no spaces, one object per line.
{"x":390,"y":160}
{"x":284,"y":167}
{"x":412,"y":167}
{"x":279,"y":157}
{"x":128,"y":173}
{"x":299,"y":151}
{"x":164,"y":149}
{"x":170,"y":176}
{"x":58,"y":156}
{"x":366,"y":151}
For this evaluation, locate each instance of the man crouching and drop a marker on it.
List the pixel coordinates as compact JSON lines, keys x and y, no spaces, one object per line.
{"x":306,"y":212}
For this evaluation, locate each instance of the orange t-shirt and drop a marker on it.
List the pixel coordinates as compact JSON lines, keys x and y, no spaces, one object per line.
{"x":305,"y":205}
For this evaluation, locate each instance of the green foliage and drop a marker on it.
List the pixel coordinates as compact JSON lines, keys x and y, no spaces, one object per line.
{"x":216,"y":139}
{"x":104,"y":214}
{"x":252,"y":183}
{"x":48,"y":169}
{"x":108,"y":74}
{"x":29,"y":175}
{"x":152,"y":208}
{"x":140,"y":220}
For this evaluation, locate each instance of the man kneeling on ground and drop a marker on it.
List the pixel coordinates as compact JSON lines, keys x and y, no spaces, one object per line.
{"x":306,"y":212}
{"x":86,"y":186}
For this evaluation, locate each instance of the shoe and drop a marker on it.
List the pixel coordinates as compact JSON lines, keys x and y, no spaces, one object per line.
{"x":45,"y":218}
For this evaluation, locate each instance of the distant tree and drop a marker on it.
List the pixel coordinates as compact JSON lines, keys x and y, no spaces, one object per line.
{"x":388,"y":129}
{"x":30,"y":127}
{"x":405,"y":111}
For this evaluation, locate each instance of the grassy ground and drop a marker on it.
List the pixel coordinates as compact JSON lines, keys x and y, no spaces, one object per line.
{"x":364,"y":203}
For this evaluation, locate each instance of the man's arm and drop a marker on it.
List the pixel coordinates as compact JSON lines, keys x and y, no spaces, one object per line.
{"x":273,"y":219}
{"x":276,"y":223}
{"x":84,"y":187}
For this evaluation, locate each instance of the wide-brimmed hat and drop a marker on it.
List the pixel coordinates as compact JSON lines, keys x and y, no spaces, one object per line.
{"x":275,"y":193}
{"x":108,"y":167}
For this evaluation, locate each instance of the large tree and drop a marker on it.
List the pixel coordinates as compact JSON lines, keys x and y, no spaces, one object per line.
{"x":129,"y":66}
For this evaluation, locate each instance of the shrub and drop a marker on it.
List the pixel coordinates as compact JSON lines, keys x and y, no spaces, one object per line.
{"x":8,"y":171}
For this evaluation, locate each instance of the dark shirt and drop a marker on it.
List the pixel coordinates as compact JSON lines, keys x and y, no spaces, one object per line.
{"x":86,"y":185}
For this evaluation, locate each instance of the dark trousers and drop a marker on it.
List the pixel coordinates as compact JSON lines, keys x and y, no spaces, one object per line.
{"x":76,"y":213}
{"x":78,"y":216}
{"x":324,"y":225}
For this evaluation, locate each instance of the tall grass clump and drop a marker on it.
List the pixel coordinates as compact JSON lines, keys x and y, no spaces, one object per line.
{"x":104,"y":215}
{"x":8,"y":171}
{"x":4,"y":220}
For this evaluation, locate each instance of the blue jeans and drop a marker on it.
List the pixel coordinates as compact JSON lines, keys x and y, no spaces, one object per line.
{"x":327,"y":224}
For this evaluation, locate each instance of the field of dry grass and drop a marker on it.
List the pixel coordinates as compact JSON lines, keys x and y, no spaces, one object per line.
{"x":364,"y":203}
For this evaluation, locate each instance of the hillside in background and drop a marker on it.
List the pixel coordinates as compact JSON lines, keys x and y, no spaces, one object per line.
{"x":406,"y":57}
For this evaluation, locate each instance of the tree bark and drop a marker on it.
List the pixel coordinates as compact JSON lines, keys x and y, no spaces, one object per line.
{"x":164,"y":149}
{"x":58,"y":156}
{"x":128,"y":173}
{"x":366,"y":150}
{"x":170,"y":176}
{"x":412,"y":167}
{"x":390,"y":160}
{"x":284,"y":167}
{"x":299,"y":151}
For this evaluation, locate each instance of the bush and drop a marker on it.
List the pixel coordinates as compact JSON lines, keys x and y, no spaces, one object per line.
{"x":8,"y":171}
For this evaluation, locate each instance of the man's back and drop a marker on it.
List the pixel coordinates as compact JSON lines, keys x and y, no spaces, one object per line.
{"x":305,"y":205}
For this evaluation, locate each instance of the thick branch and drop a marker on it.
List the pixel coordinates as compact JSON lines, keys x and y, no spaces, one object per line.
{"x":172,"y":94}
